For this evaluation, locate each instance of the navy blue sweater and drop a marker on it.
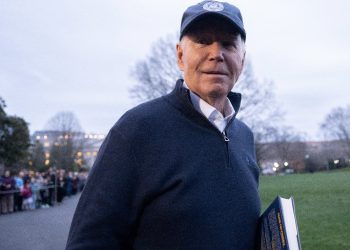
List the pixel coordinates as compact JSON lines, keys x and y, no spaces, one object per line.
{"x":165,"y":178}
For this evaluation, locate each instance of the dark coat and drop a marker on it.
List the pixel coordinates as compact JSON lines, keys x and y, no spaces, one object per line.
{"x":7,"y":184}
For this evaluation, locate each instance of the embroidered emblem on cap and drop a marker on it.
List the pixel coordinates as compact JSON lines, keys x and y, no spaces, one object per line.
{"x":213,"y":6}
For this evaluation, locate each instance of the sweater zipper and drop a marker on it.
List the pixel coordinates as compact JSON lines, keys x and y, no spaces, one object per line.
{"x":226,"y":139}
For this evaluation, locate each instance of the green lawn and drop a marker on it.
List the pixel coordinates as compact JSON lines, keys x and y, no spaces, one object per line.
{"x":322,"y":202}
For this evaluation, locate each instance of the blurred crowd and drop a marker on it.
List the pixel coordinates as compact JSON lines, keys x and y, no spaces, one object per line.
{"x":28,"y":190}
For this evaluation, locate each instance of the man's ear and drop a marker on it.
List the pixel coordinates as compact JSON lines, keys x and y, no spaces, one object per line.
{"x":179,"y":56}
{"x":243,"y":59}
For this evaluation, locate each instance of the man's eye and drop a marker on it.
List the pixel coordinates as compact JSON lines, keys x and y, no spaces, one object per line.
{"x":228,"y":44}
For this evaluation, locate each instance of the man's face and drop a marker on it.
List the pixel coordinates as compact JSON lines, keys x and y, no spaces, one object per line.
{"x":211,"y":56}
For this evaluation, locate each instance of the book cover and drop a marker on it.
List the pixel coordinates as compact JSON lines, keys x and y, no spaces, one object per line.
{"x":278,"y":228}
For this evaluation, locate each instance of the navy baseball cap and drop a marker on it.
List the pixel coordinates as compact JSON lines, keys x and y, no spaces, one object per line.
{"x":213,"y":8}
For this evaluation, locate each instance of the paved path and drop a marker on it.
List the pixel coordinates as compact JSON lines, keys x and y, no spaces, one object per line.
{"x":41,"y":229}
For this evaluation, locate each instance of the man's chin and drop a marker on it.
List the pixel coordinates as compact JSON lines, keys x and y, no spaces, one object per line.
{"x":219,"y":87}
{"x":218,"y":92}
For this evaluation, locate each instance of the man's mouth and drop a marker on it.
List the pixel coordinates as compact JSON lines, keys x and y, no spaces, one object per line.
{"x":214,"y":72}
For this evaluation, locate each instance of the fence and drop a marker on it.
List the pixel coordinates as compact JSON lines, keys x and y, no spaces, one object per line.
{"x":42,"y":196}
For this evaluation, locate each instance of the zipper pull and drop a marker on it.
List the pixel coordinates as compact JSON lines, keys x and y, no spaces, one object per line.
{"x":225,"y":137}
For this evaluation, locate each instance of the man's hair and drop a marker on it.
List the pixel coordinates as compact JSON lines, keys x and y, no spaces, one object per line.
{"x":238,"y":36}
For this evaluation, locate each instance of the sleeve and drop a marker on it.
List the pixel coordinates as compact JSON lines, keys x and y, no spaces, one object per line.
{"x":109,"y":207}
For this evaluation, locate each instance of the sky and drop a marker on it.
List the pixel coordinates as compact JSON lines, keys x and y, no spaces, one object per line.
{"x":76,"y":55}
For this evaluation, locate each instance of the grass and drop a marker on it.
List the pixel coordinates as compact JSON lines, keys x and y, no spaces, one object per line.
{"x":322,"y":202}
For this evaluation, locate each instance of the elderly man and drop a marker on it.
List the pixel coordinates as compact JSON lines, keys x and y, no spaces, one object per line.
{"x":179,"y":172}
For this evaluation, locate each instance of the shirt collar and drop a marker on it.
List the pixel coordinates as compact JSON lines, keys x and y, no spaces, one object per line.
{"x":210,"y":112}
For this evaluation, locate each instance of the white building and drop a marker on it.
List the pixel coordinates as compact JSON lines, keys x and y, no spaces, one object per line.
{"x":90,"y":143}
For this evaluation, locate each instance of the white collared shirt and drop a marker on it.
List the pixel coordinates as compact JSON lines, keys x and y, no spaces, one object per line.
{"x":211,"y":113}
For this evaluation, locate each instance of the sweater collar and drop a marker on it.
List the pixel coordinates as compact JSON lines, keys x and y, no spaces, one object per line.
{"x":235,"y":98}
{"x":181,"y":100}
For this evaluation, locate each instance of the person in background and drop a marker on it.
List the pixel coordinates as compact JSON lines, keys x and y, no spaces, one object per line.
{"x":44,"y":192}
{"x":180,"y":171}
{"x":75,"y":183}
{"x":68,"y":184}
{"x":51,"y":178}
{"x":25,"y":176}
{"x":61,"y":185}
{"x":82,"y":180}
{"x":8,"y":187}
{"x":35,"y":187}
{"x":41,"y":187}
{"x":19,"y":188}
{"x":27,"y":196}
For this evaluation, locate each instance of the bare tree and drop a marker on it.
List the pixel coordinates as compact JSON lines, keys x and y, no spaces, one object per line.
{"x":288,"y":145}
{"x":281,"y":144}
{"x":259,"y":109}
{"x":336,"y":126}
{"x":258,"y":101}
{"x":263,"y":138}
{"x":37,"y":157}
{"x":64,"y":121}
{"x":69,"y":140}
{"x":156,"y":75}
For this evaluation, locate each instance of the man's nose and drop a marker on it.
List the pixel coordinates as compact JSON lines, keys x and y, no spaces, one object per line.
{"x":216,"y":51}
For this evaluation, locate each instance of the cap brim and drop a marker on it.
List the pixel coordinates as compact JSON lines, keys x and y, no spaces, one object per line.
{"x":189,"y":23}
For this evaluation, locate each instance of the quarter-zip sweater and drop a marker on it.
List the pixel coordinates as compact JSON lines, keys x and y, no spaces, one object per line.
{"x":166,"y":178}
